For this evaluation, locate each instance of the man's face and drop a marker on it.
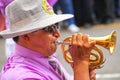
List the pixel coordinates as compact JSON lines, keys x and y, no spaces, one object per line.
{"x":43,"y":40}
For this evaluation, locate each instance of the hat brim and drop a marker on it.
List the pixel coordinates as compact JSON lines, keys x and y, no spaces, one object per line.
{"x":35,"y":25}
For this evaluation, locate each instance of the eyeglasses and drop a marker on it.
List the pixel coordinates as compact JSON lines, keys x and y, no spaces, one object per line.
{"x":52,"y":28}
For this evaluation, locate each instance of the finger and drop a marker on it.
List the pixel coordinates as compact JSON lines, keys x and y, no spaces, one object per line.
{"x":74,"y":42}
{"x":92,"y":75}
{"x":86,"y":39}
{"x":92,"y":42}
{"x":79,"y":39}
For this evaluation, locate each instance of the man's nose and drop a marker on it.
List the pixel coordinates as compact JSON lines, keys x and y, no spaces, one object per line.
{"x":56,"y":33}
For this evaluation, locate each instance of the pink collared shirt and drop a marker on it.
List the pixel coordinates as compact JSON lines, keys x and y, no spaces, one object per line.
{"x":25,"y":64}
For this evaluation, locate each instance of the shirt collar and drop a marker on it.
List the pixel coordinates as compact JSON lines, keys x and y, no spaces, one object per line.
{"x":28,"y":53}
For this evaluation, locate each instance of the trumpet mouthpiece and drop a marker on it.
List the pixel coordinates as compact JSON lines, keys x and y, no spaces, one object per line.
{"x":60,"y":42}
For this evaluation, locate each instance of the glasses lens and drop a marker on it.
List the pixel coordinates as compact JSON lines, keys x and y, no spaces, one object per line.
{"x":51,"y":28}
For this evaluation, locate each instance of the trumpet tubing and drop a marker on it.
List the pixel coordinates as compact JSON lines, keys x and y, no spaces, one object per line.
{"x":96,"y":59}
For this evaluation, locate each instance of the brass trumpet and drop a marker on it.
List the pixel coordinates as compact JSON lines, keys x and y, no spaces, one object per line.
{"x":96,"y":57}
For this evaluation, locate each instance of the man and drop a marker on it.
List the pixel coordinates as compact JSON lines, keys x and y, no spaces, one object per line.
{"x":105,"y":11}
{"x":34,"y":28}
{"x":9,"y":42}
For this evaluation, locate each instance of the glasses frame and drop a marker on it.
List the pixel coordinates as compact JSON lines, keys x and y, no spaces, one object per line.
{"x":51,"y":28}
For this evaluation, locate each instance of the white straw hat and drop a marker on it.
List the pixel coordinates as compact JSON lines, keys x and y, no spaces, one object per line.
{"x":25,"y":16}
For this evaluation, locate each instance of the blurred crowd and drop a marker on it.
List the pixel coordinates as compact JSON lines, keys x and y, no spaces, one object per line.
{"x":86,"y":12}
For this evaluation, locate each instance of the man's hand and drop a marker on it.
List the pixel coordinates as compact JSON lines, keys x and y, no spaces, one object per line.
{"x":80,"y":50}
{"x":81,"y":47}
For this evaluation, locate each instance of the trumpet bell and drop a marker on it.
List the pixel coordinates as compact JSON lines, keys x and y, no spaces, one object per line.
{"x":108,"y":42}
{"x":113,"y":42}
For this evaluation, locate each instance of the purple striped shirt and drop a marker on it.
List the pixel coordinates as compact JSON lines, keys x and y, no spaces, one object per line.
{"x":25,"y":64}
